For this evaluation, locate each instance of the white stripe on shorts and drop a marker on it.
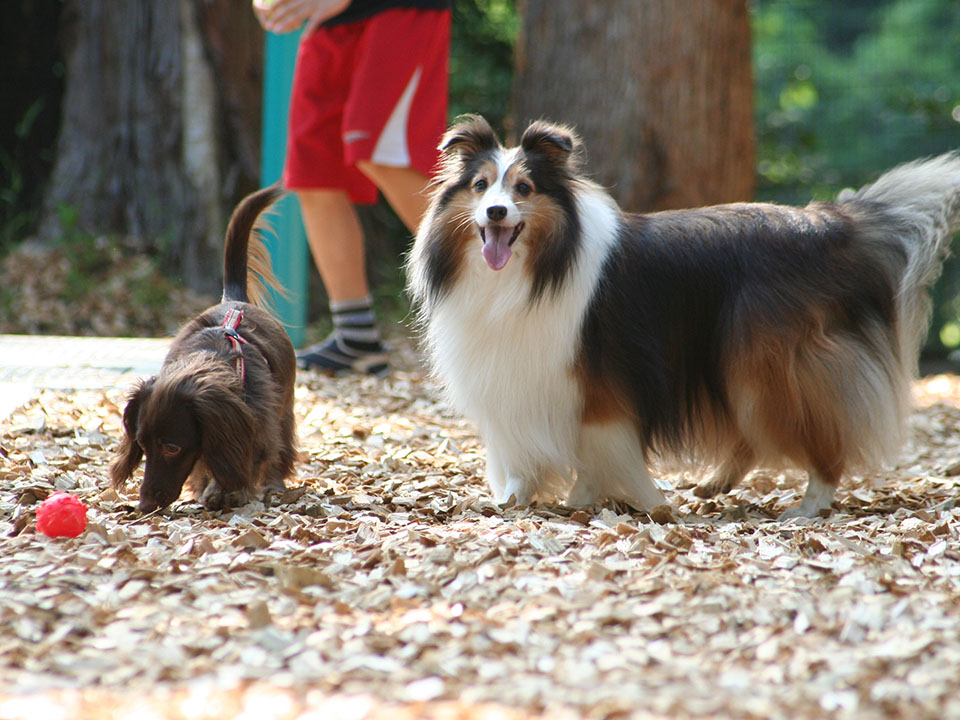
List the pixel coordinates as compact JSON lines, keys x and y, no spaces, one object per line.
{"x":391,"y":148}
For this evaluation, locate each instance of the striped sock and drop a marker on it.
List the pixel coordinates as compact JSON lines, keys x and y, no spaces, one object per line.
{"x":357,"y":324}
{"x":353,"y":346}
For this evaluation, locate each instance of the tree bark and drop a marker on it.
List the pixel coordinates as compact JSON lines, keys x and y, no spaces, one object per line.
{"x":233,"y":42}
{"x":660,"y":91}
{"x":141,"y":149}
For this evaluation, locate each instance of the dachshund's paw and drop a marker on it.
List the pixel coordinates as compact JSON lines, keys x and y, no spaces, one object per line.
{"x":214,"y":497}
{"x":274,"y":485}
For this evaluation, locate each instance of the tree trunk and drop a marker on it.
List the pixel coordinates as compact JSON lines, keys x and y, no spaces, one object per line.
{"x":660,"y":91}
{"x":141,"y":149}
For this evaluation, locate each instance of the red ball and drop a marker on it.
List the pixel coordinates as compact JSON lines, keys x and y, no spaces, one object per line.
{"x":61,"y":515}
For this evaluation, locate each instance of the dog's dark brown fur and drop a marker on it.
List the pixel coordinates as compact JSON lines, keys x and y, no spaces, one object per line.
{"x":198,"y":422}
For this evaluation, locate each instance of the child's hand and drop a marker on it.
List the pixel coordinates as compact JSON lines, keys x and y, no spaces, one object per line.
{"x":281,"y":16}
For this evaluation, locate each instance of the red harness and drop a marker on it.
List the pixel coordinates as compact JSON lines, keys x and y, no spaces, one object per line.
{"x":231,"y":322}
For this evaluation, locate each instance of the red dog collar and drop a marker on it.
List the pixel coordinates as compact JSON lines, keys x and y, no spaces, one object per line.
{"x":231,"y":321}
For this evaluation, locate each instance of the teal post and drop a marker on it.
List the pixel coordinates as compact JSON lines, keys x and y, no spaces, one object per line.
{"x":288,"y":241}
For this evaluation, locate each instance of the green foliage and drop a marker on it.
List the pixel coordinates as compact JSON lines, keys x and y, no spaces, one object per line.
{"x":86,"y":256}
{"x":18,"y":200}
{"x":88,"y":284}
{"x":845,"y":90}
{"x":90,"y":260}
{"x":481,"y":58}
{"x":15,"y":217}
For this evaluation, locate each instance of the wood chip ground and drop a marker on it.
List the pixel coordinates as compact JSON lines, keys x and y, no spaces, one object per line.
{"x":386,"y":583}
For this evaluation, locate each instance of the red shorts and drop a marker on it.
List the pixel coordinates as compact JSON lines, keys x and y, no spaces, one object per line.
{"x":375,"y":90}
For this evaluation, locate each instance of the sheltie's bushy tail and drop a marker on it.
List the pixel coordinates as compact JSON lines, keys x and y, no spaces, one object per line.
{"x":920,"y":203}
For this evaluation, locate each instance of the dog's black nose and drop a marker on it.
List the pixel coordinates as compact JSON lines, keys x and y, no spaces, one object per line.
{"x":496,"y":212}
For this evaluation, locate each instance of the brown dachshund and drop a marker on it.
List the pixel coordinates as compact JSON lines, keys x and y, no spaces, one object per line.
{"x":219,"y":416}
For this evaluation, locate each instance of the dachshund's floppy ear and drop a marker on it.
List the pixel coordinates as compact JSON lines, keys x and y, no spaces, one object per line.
{"x":559,"y":143}
{"x":469,"y":136}
{"x":227,"y":429}
{"x":130,"y":453}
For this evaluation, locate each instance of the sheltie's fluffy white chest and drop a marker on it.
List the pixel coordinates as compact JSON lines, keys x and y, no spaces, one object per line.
{"x":507,"y":361}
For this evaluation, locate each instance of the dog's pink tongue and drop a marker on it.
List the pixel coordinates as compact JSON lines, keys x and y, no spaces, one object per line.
{"x":496,"y":246}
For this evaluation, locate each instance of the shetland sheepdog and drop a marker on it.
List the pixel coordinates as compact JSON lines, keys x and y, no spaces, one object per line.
{"x":588,"y":343}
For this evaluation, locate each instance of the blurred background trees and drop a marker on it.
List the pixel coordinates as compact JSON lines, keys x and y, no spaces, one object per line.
{"x":660,"y":91}
{"x":159,"y":127}
{"x":845,"y":90}
{"x":840,"y":91}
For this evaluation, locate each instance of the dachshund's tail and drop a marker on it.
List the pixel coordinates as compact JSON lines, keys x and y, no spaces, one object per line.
{"x":247,"y":271}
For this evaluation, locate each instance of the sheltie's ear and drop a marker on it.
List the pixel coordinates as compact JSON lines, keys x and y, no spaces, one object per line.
{"x":469,"y":136}
{"x":559,"y":143}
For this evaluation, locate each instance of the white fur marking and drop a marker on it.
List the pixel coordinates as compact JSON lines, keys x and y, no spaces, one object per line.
{"x":498,"y":194}
{"x":391,"y":148}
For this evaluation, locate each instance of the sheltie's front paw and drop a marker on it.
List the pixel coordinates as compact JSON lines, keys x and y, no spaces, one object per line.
{"x":516,"y":492}
{"x":806,"y":509}
{"x":817,"y":500}
{"x":582,"y":494}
